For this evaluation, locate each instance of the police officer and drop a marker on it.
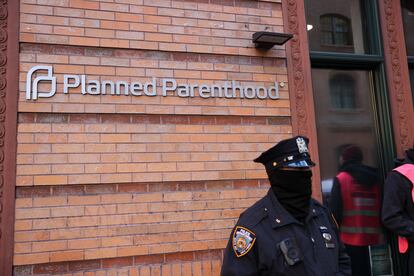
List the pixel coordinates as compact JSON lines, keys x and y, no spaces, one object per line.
{"x":286,"y":232}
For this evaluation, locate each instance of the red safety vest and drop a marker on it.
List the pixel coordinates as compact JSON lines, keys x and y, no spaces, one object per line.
{"x":361,"y":224}
{"x":408,"y":171}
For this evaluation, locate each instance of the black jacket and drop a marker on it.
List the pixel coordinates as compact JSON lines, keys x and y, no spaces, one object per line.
{"x":312,"y":248}
{"x":398,"y":207}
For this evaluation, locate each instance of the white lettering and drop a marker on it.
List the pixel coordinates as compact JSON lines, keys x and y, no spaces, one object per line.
{"x":153,"y":85}
{"x":68,"y":84}
{"x":111,"y":85}
{"x":94,"y":87}
{"x":249,"y":92}
{"x":168,"y":88}
{"x":274,"y":92}
{"x":123,"y":84}
{"x":203,"y":91}
{"x":192,"y":89}
{"x":136,"y":88}
{"x":235,"y":87}
{"x":226,"y":87}
{"x":217,"y":88}
{"x":83,"y":84}
{"x":183,"y":91}
{"x":261,"y":96}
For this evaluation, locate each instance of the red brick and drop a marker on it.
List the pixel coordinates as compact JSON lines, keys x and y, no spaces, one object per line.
{"x":21,"y":248}
{"x":50,"y":268}
{"x":30,"y":258}
{"x":45,"y":246}
{"x":216,"y":128}
{"x":32,"y":191}
{"x":82,"y":4}
{"x":100,"y":189}
{"x":66,"y":255}
{"x":181,"y":256}
{"x":174,"y":119}
{"x":191,"y":186}
{"x":68,"y":190}
{"x":114,"y":7}
{"x":159,"y":187}
{"x":26,"y":118}
{"x":22,"y":270}
{"x":101,"y":210}
{"x":29,"y":236}
{"x":246,"y":184}
{"x":83,"y":265}
{"x":132,"y":187}
{"x":264,"y":182}
{"x":209,"y":254}
{"x":113,"y":119}
{"x":197,"y":269}
{"x":203,"y":120}
{"x":214,"y":185}
{"x":128,"y":17}
{"x":146,"y":119}
{"x":84,"y":118}
{"x":279,"y":121}
{"x":149,"y":259}
{"x":117,"y":262}
{"x":206,"y":268}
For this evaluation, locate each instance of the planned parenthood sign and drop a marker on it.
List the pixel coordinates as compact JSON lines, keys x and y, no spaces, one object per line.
{"x":168,"y":87}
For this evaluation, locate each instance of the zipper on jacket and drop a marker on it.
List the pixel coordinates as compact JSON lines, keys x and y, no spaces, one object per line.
{"x":310,"y":234}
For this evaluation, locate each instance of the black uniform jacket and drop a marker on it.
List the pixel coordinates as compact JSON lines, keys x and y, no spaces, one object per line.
{"x":277,"y":244}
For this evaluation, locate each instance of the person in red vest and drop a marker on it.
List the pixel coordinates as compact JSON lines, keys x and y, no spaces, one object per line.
{"x":355,"y":203}
{"x":398,"y":206}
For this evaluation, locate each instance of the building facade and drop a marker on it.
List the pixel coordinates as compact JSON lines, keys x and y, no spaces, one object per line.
{"x":129,"y":126}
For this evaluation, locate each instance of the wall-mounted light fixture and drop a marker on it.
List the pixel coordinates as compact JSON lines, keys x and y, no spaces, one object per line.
{"x":266,"y":40}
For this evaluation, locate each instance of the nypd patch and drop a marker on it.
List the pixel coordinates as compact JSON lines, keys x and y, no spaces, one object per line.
{"x":243,"y":241}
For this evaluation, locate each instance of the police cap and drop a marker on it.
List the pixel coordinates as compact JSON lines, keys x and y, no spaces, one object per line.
{"x":289,"y":153}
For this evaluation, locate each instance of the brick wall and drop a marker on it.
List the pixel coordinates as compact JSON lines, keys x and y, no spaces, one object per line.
{"x":139,"y":185}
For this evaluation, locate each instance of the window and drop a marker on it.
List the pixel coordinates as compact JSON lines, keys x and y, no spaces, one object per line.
{"x":407,"y":9}
{"x":412,"y":82}
{"x":335,"y":30}
{"x":349,"y":91}
{"x":337,"y":26}
{"x":342,"y":91}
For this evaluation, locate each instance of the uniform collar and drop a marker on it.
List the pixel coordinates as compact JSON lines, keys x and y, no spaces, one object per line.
{"x":280,"y":217}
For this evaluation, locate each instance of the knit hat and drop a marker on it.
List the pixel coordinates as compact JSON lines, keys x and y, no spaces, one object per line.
{"x":352,"y":152}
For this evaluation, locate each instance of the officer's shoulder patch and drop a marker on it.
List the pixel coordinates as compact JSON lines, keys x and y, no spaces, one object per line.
{"x":243,"y":241}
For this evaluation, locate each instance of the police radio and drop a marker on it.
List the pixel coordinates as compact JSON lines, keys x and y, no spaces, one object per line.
{"x":291,"y":251}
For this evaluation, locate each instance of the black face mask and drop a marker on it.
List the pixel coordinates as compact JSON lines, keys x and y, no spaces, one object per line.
{"x":293,"y":189}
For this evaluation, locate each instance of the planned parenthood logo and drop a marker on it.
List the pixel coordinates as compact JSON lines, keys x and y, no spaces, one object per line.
{"x":32,"y":86}
{"x":163,"y":87}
